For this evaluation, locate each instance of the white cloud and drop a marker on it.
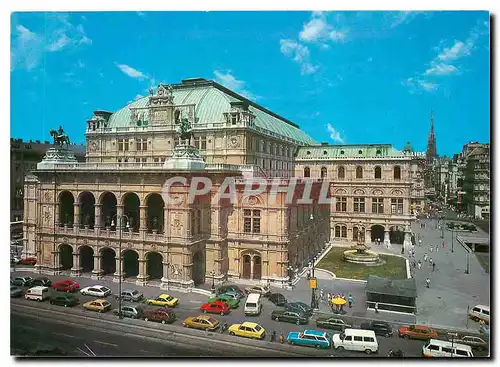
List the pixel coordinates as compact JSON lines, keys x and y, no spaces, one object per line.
{"x":80,"y":64}
{"x":58,"y":45}
{"x":138,"y":96}
{"x":299,"y":54}
{"x":26,"y":48}
{"x":441,"y":69}
{"x":318,"y":30}
{"x":415,"y":85}
{"x":238,"y":86}
{"x":458,"y":50}
{"x":403,"y":17}
{"x":334,"y":134}
{"x":338,"y":36}
{"x":140,"y":13}
{"x":131,"y":72}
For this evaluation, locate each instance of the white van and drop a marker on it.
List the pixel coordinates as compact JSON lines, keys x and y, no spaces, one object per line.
{"x":480,"y":312}
{"x":253,"y":306}
{"x":443,"y":348}
{"x":356,"y":339}
{"x":37,"y":293}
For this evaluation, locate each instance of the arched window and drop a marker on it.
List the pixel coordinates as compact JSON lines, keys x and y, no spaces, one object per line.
{"x":397,"y":173}
{"x":378,"y":172}
{"x":307,"y":172}
{"x":359,"y":172}
{"x":337,"y":231}
{"x":341,"y":172}
{"x":324,"y":172}
{"x":344,"y":232}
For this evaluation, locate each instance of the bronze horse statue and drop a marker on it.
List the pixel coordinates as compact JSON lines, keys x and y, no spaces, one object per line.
{"x":60,"y":138}
{"x":184,"y":130}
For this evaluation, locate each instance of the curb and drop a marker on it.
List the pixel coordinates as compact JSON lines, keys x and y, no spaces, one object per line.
{"x":328,"y":272}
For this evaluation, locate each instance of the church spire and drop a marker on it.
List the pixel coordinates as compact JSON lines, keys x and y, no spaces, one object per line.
{"x":431,"y":142}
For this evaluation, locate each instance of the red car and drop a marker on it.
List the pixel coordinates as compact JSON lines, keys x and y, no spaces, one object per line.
{"x":219,"y":307}
{"x":162,"y":315}
{"x":418,"y":332}
{"x":66,"y":286}
{"x":28,"y":261}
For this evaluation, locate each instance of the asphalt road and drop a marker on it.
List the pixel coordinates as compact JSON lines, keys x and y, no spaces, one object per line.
{"x":128,"y":345}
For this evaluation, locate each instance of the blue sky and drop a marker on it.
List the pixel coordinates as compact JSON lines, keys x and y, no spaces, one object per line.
{"x":344,"y":77}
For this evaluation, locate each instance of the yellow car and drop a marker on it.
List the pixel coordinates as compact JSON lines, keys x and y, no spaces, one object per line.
{"x":163,"y":300}
{"x":248,"y":330}
{"x":203,"y":322}
{"x":99,"y":305}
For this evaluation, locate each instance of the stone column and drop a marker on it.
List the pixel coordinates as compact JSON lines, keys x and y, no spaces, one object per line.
{"x":166,"y":223}
{"x":251,"y":267}
{"x":55,"y":261}
{"x":143,"y":224}
{"x":387,"y":239}
{"x":116,"y":275}
{"x":97,"y":219}
{"x":166,"y":275}
{"x":76,"y":217}
{"x":142,"y":277}
{"x":368,"y":236}
{"x":407,"y":241}
{"x":119,"y":221}
{"x":96,"y":272}
{"x":76,"y":269}
{"x":57,"y":214}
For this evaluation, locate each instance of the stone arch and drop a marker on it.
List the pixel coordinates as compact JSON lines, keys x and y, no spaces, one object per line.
{"x":252,"y":265}
{"x":397,"y":172}
{"x":324,"y":172}
{"x":378,"y":172}
{"x":108,"y":260}
{"x":397,"y":234}
{"x":359,"y":192}
{"x":66,"y":208}
{"x":341,"y":172}
{"x":251,"y":200}
{"x":359,"y":172}
{"x":377,"y":233}
{"x":155,"y":212}
{"x":86,"y":258}
{"x":307,"y":172}
{"x":65,"y":256}
{"x":108,"y":208}
{"x":198,"y":270}
{"x":131,"y":203}
{"x":247,"y":270}
{"x":340,"y":192}
{"x":130,"y":267}
{"x":154,"y":265}
{"x":396,"y":192}
{"x":86,"y":202}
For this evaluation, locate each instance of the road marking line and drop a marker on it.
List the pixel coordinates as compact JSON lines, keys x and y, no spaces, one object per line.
{"x":113,"y":345}
{"x":62,"y":334}
{"x":192,"y":301}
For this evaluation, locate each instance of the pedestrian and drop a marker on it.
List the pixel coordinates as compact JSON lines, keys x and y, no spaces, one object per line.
{"x":376,"y":307}
{"x":433,"y":266}
{"x":443,"y":245}
{"x":430,"y":248}
{"x":350,"y":300}
{"x":430,"y":261}
{"x":425,"y":256}
{"x":419,"y":265}
{"x":437,"y":248}
{"x":414,"y":264}
{"x":420,"y":242}
{"x":428,"y":282}
{"x":329,"y":297}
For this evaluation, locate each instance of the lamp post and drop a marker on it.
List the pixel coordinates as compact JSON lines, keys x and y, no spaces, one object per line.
{"x":290,"y":275}
{"x":314,"y":304}
{"x":467,"y":262}
{"x":452,"y":240}
{"x":442,"y":229}
{"x":213,"y":280}
{"x":119,"y":220}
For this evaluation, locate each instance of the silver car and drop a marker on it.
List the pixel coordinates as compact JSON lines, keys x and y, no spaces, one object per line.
{"x":132,"y":295}
{"x":132,"y":311}
{"x":15,"y":291}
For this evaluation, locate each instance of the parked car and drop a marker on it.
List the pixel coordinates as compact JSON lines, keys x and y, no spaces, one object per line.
{"x":98,"y":305}
{"x":259,"y":289}
{"x":96,"y":291}
{"x":42,"y":281}
{"x":485,"y":330}
{"x":66,"y":286}
{"x":132,"y":295}
{"x":23,"y":281}
{"x":14,"y":260}
{"x":233,"y":294}
{"x":162,"y":315}
{"x":289,"y":316}
{"x":230,"y":287}
{"x":28,"y":261}
{"x":310,"y":338}
{"x":219,"y":307}
{"x":163,"y":300}
{"x":202,"y":322}
{"x":278,"y":299}
{"x":333,"y":323}
{"x":66,"y":300}
{"x":418,"y":332}
{"x":300,"y":306}
{"x":379,"y":327}
{"x":232,"y":301}
{"x":132,"y":311}
{"x":15,"y":291}
{"x":475,"y":342}
{"x":248,"y":330}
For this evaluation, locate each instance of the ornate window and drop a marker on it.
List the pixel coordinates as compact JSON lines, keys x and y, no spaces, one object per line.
{"x":123,"y":145}
{"x":397,"y":173}
{"x":340,"y":231}
{"x":324,"y":172}
{"x":307,"y":172}
{"x":397,"y":206}
{"x":359,"y":172}
{"x":359,"y":205}
{"x":378,"y":172}
{"x":378,"y":205}
{"x":251,"y":221}
{"x":341,"y":172}
{"x":341,"y":204}
{"x":142,"y":144}
{"x":203,"y":143}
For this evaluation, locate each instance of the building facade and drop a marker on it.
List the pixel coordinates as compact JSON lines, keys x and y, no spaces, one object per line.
{"x":87,"y":217}
{"x":477,"y":179}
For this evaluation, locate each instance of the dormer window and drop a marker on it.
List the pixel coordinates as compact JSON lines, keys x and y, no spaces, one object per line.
{"x":235,"y":117}
{"x":378,"y":152}
{"x":360,"y":152}
{"x":308,"y":152}
{"x":325,"y":152}
{"x":341,"y":152}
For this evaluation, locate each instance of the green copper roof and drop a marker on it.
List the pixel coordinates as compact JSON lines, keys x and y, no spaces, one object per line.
{"x":212,"y":101}
{"x":348,"y":151}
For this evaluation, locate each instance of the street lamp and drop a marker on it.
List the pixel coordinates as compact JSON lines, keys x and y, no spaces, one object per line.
{"x":452,"y":240}
{"x":290,"y":275}
{"x":314,"y":304}
{"x":119,"y":220}
{"x":213,"y":280}
{"x":442,"y":229}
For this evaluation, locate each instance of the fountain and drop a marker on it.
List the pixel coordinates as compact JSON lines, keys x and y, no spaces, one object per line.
{"x":360,"y":253}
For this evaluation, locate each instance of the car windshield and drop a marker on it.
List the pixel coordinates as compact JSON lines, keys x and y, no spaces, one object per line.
{"x":134,"y":292}
{"x":257,"y":327}
{"x":169,"y":298}
{"x":212,"y":320}
{"x":106,"y":303}
{"x":104,"y":289}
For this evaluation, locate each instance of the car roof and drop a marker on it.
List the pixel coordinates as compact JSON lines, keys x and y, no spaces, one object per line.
{"x":164,"y":295}
{"x":203,"y":317}
{"x":483,"y":307}
{"x":249,"y":324}
{"x":128,"y":290}
{"x":100,"y":300}
{"x":314,"y":332}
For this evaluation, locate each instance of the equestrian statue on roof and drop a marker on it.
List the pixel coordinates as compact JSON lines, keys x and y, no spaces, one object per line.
{"x":60,"y":138}
{"x":184,"y":130}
